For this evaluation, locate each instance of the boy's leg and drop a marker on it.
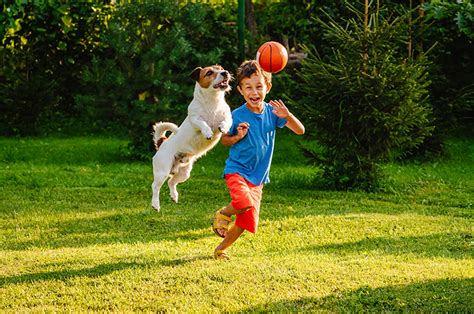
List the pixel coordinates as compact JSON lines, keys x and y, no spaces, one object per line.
{"x":232,"y":235}
{"x":240,"y":194}
{"x":245,"y":205}
{"x":229,"y":210}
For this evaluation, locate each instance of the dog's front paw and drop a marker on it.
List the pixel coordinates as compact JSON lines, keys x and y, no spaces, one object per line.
{"x":208,"y":134}
{"x":225,"y":125}
{"x":223,"y":129}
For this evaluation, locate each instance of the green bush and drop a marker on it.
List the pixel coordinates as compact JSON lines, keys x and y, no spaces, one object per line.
{"x":143,"y":77}
{"x":450,"y":24}
{"x":292,"y":22}
{"x":364,"y":102}
{"x":44,"y":45}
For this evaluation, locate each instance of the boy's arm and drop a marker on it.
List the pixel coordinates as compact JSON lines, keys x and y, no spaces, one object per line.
{"x":229,"y":140}
{"x":295,"y":125}
{"x":282,"y":111}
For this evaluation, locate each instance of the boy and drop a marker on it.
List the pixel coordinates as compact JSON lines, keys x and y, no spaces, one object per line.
{"x":251,"y":140}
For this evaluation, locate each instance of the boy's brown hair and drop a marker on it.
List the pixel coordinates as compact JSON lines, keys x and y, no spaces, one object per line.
{"x":248,"y":68}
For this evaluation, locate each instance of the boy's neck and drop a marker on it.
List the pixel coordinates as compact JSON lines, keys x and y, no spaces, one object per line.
{"x":258,"y":109}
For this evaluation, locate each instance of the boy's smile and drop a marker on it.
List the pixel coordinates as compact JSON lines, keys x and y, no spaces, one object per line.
{"x":254,"y":90}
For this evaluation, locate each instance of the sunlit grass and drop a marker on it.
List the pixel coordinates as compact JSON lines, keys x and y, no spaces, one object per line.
{"x":77,"y":233}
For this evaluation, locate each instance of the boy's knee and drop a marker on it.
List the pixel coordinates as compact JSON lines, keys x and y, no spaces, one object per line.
{"x":243,"y":210}
{"x":231,"y":210}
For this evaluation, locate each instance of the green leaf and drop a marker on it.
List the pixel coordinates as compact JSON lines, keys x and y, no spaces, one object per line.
{"x":67,"y":21}
{"x":62,"y":45}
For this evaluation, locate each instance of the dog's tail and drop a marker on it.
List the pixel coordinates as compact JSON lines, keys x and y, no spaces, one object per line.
{"x":159,"y":132}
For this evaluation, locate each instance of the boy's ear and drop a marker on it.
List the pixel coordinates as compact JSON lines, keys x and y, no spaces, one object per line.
{"x":195,"y":74}
{"x":240,"y":90}
{"x":269,"y":87}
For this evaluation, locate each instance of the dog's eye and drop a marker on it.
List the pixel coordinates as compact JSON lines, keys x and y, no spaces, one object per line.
{"x":209,"y":73}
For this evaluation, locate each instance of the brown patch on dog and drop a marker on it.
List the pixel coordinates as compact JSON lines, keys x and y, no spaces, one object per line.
{"x":180,"y":160}
{"x":160,"y":141}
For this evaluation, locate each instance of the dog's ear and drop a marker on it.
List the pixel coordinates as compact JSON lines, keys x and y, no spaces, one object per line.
{"x":195,"y":74}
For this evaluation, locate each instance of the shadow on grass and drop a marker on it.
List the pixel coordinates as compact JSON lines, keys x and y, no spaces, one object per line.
{"x":97,"y":271}
{"x":317,"y":202}
{"x":111,"y":228}
{"x":100,"y":270}
{"x":185,"y":260}
{"x":446,"y":295}
{"x":452,"y":245}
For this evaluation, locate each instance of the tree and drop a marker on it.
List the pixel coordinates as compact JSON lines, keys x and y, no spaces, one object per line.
{"x":365,"y":101}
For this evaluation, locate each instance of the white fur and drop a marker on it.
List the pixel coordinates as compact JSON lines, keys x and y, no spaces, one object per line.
{"x":208,"y":117}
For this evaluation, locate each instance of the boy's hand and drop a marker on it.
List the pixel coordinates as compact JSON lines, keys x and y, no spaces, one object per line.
{"x":229,"y":140}
{"x":280,"y":109}
{"x":242,"y":129}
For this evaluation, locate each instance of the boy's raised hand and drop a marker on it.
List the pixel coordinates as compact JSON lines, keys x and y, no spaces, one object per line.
{"x":281,"y":111}
{"x":242,"y":129}
{"x":279,"y":108}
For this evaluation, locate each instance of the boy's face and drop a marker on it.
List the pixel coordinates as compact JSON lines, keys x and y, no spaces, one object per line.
{"x":254,"y":90}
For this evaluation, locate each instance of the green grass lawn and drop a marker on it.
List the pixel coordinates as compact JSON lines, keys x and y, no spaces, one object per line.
{"x":77,"y":233}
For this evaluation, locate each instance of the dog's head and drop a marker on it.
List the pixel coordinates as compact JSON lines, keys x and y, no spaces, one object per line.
{"x":212,"y":77}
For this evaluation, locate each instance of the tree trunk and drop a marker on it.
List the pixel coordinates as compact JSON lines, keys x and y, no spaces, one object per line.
{"x":250,"y":18}
{"x":365,"y":54}
{"x":421,"y":13}
{"x":410,"y":33}
{"x":366,"y":15}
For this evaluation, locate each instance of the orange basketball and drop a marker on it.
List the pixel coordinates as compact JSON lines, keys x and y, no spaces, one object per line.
{"x":272,"y":57}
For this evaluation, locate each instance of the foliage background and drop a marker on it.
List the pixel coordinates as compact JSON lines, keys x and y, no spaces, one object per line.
{"x":44,"y":47}
{"x":85,"y":68}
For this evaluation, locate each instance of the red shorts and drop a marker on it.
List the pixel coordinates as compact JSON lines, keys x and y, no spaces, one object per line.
{"x":245,"y":194}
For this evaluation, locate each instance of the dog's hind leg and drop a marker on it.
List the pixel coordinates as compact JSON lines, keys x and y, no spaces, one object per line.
{"x":161,"y":170}
{"x":155,"y":187}
{"x":184,"y":172}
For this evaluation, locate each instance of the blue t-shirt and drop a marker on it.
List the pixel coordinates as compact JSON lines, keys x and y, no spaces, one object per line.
{"x":251,"y":157}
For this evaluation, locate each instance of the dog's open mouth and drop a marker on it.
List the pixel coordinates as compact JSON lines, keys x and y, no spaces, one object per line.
{"x":224,"y":84}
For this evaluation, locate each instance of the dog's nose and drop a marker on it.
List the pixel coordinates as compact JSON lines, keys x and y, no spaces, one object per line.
{"x":225,"y":74}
